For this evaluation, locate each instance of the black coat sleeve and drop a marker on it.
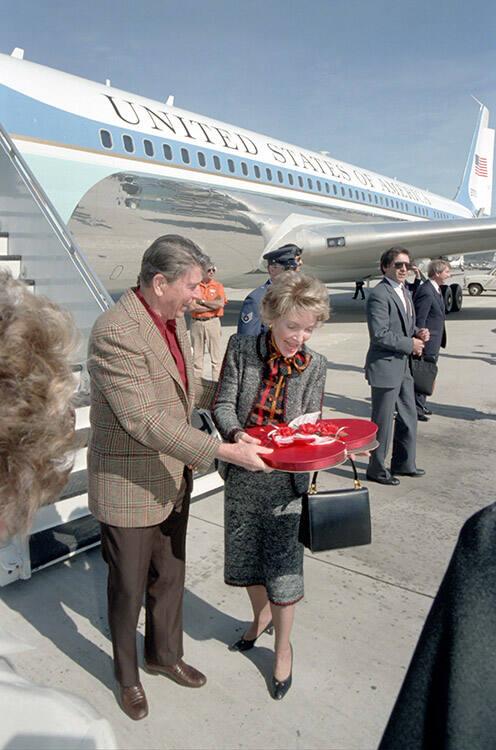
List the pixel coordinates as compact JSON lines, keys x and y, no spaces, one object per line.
{"x":447,"y":700}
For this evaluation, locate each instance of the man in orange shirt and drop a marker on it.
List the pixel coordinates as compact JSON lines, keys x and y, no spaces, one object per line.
{"x":205,"y":324}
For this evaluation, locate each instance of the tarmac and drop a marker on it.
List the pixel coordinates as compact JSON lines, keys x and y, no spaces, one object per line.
{"x":364,"y":607}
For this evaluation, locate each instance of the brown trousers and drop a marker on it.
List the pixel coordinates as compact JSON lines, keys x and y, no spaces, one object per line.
{"x":148,"y":560}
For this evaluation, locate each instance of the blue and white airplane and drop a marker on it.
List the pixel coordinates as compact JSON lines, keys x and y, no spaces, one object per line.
{"x":122,"y":169}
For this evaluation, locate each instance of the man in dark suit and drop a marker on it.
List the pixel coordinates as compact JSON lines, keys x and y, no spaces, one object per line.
{"x":431,"y":314}
{"x":285,"y":258}
{"x":394,"y":336}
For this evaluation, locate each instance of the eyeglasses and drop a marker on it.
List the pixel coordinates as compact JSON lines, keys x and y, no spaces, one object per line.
{"x":211,"y":270}
{"x":401,"y":264}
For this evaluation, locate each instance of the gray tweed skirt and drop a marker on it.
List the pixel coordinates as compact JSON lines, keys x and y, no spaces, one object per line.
{"x":261,"y":521}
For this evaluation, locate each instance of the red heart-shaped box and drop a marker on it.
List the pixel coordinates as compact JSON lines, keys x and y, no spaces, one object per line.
{"x":301,"y":457}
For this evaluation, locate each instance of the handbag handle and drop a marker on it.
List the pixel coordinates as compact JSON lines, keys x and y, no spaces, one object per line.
{"x":312,"y":490}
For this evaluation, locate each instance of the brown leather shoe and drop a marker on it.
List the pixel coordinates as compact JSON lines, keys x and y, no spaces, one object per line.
{"x":133,"y":702}
{"x":180,"y":672}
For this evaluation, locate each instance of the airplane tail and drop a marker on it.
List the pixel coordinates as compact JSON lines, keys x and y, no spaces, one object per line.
{"x":475,"y":190}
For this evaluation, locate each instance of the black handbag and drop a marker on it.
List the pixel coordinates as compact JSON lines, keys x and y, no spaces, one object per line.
{"x":336,"y":518}
{"x":424,"y":375}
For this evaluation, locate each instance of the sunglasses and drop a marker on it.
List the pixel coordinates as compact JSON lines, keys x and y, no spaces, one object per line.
{"x":401,"y":264}
{"x":211,"y":270}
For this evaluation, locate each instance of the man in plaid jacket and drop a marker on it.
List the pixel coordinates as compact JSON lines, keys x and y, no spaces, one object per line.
{"x":141,"y":454}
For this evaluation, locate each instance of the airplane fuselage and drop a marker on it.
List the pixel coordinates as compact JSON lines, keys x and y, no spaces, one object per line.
{"x":122,"y":169}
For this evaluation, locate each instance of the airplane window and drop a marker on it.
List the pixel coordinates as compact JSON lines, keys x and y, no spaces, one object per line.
{"x":375,"y":198}
{"x":185,"y":155}
{"x":216,"y":162}
{"x":128,"y":143}
{"x":230,"y":165}
{"x":319,"y":186}
{"x":300,"y":181}
{"x":268,"y":172}
{"x":148,"y":145}
{"x":335,"y":190}
{"x":167,"y":151}
{"x":201,"y":159}
{"x":309,"y":183}
{"x":279,"y":176}
{"x":106,"y":139}
{"x":290,"y":178}
{"x":327,"y":187}
{"x":244,"y":168}
{"x":350,"y":192}
{"x":387,"y":201}
{"x":356,"y":195}
{"x":256,"y":169}
{"x":381,"y":200}
{"x":370,"y":197}
{"x":363,"y":195}
{"x":342,"y":191}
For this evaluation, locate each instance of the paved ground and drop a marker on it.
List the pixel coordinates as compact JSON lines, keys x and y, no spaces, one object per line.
{"x":364,"y":607}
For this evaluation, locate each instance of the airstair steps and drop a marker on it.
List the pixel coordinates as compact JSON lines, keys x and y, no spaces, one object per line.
{"x":4,"y":243}
{"x":11,"y":263}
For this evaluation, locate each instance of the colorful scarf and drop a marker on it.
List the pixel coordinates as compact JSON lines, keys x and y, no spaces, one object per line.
{"x":269,"y":406}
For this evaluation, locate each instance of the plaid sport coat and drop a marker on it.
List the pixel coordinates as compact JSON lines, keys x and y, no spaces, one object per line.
{"x":141,"y":435}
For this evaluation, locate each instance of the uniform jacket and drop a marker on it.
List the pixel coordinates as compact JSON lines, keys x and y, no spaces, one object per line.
{"x":431,"y":314}
{"x":141,"y":435}
{"x":250,"y":322}
{"x":391,"y":331}
{"x":240,"y":380}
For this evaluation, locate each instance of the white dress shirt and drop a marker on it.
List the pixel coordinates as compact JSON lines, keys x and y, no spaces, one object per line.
{"x":435,"y":285}
{"x":401,"y":292}
{"x":42,"y":718}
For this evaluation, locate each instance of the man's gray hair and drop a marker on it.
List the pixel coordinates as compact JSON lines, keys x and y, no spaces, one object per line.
{"x":171,"y":255}
{"x":437,"y":266}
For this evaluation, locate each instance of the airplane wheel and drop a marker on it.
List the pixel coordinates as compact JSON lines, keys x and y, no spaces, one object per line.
{"x":474,"y":290}
{"x":447,"y":293}
{"x":457,"y":297}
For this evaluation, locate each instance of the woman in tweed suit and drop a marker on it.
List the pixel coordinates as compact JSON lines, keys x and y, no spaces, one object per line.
{"x":268,"y":379}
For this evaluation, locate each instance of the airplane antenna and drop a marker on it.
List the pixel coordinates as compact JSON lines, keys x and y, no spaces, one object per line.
{"x":17,"y":52}
{"x":108,"y":82}
{"x":170,"y":101}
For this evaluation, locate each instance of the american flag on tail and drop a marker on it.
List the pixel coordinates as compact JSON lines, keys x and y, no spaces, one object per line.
{"x":480,"y":166}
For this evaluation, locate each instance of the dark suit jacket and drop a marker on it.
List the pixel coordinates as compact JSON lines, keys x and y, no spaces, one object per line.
{"x":447,"y":700}
{"x":431,"y":314}
{"x":391,"y":332}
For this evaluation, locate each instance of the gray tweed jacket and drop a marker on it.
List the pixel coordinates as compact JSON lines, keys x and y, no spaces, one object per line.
{"x":239,"y":384}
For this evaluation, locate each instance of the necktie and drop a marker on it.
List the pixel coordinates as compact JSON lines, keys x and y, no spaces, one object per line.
{"x":406,"y":301}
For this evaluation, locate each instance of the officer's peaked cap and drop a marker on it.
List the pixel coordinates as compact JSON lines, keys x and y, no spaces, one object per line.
{"x":284,"y":255}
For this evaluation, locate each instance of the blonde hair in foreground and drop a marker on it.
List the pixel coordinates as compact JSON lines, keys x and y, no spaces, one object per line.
{"x":292,"y":292}
{"x":36,"y":386}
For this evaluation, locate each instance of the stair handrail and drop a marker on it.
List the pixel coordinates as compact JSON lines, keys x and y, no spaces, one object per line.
{"x":98,"y":291}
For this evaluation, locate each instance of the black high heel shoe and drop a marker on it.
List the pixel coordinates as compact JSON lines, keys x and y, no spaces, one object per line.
{"x":245,"y":644}
{"x":281,"y":687}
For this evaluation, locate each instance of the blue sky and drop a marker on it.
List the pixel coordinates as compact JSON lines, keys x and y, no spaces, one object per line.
{"x":385,"y":85}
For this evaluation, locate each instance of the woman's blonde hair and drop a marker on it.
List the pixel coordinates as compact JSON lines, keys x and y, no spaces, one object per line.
{"x":293,"y":292}
{"x":36,"y":417}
